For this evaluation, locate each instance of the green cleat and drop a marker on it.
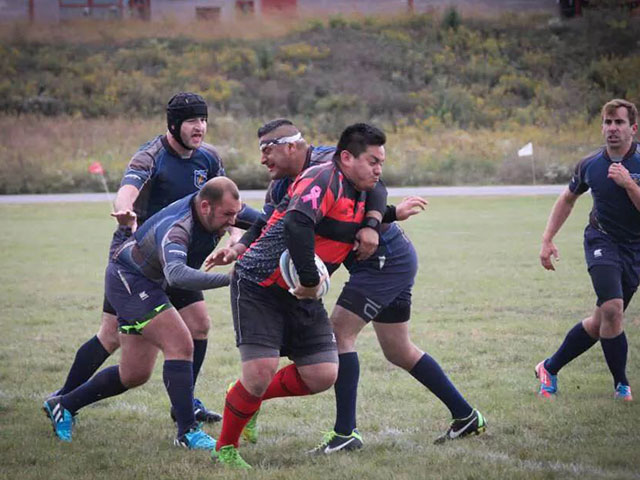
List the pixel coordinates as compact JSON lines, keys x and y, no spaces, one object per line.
{"x":333,"y":442}
{"x":250,"y":431}
{"x":230,"y":457}
{"x":474,"y":424}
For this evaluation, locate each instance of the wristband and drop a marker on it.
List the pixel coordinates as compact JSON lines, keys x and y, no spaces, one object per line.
{"x":371,"y":222}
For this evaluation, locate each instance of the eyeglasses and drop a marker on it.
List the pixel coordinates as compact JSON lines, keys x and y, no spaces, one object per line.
{"x":280,"y":141}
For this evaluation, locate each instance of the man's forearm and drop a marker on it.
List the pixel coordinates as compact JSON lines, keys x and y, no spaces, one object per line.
{"x":179,"y":275}
{"x":559,"y":214}
{"x":125,"y":198}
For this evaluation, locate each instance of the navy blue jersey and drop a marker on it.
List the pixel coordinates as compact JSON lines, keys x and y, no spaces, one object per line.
{"x":171,"y":245}
{"x":163,"y":177}
{"x":613,"y":211}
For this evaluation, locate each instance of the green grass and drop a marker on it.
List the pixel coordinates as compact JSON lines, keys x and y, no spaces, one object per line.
{"x":482,"y":306}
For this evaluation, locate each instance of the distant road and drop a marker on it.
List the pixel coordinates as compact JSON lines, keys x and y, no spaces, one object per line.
{"x":486,"y":191}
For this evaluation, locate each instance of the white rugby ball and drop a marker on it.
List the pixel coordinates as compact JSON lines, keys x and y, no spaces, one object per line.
{"x":290,"y":275}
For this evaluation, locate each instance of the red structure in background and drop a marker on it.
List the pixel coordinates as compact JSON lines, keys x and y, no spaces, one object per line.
{"x":271,"y":7}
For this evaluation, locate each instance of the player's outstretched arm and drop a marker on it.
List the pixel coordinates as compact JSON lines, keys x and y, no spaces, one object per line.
{"x":224,"y":256}
{"x":559,"y":214}
{"x":126,"y":218}
{"x":410,"y":206}
{"x":123,"y":206}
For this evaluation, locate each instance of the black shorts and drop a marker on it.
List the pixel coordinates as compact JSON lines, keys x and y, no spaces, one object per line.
{"x":379,"y":288}
{"x":614,"y":266}
{"x":273,"y":318}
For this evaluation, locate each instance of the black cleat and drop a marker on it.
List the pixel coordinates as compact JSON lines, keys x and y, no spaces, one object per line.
{"x":334,"y":442}
{"x":474,"y":424}
{"x":201,"y":413}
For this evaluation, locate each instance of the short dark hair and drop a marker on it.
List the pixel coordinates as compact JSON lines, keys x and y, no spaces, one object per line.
{"x":613,"y":105}
{"x":271,"y":125}
{"x":215,"y":188}
{"x":357,"y":137}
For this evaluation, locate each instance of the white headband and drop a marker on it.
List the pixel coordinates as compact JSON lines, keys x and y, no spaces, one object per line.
{"x":280,"y":140}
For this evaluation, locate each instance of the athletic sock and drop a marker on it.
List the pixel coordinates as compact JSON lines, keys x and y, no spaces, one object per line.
{"x":286,"y":383}
{"x":615,"y":353}
{"x":104,"y":384}
{"x":199,"y":352}
{"x":178,"y":380}
{"x":428,"y":372}
{"x":575,"y":343}
{"x":239,"y":407}
{"x":88,"y":359}
{"x":346,"y":391}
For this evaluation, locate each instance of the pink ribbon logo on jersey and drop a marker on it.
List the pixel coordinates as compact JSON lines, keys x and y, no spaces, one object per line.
{"x":313,"y":196}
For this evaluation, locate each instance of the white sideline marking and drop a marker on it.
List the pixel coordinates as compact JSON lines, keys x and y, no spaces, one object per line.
{"x":464,"y":191}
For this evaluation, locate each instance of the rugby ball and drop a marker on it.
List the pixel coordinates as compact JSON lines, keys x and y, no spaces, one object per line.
{"x":290,"y":275}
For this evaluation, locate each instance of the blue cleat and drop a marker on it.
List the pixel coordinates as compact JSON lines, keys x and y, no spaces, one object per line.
{"x":61,"y":418}
{"x":623,"y":392}
{"x":195,"y":439}
{"x":548,"y":382}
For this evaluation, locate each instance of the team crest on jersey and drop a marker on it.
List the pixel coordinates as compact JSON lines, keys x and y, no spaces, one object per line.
{"x":199,"y":178}
{"x":635,"y":177}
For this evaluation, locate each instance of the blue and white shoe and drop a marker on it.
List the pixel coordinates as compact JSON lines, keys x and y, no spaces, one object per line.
{"x":548,"y":382}
{"x":623,"y":392}
{"x":61,"y":418}
{"x":195,"y":439}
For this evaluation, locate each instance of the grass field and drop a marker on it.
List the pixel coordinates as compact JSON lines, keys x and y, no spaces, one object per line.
{"x":482,"y":306}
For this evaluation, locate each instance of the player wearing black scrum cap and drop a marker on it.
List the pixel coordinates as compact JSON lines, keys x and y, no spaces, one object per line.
{"x":163,"y":170}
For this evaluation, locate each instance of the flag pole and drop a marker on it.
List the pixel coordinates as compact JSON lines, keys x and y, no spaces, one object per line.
{"x":106,"y":189}
{"x":97,"y":169}
{"x":533,"y":168}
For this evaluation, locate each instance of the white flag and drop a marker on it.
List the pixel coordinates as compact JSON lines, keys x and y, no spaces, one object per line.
{"x":526,"y":151}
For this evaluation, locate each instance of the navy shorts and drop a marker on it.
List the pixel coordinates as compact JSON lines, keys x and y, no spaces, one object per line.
{"x":614,"y":266}
{"x":273,"y":318}
{"x":379,"y":288}
{"x":137,"y":300}
{"x":179,"y":298}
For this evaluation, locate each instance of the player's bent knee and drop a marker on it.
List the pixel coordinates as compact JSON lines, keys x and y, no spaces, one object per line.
{"x":179,"y":350}
{"x":108,"y":332}
{"x":257,"y":375}
{"x":404,"y":357}
{"x":132,"y":378}
{"x":612,"y":310}
{"x":199,"y":327}
{"x":321,"y":377}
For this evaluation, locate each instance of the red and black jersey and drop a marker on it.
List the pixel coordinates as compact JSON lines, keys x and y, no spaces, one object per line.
{"x":324,"y":195}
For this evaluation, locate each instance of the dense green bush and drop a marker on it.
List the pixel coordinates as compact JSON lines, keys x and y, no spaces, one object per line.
{"x":467,"y":68}
{"x":418,"y":76}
